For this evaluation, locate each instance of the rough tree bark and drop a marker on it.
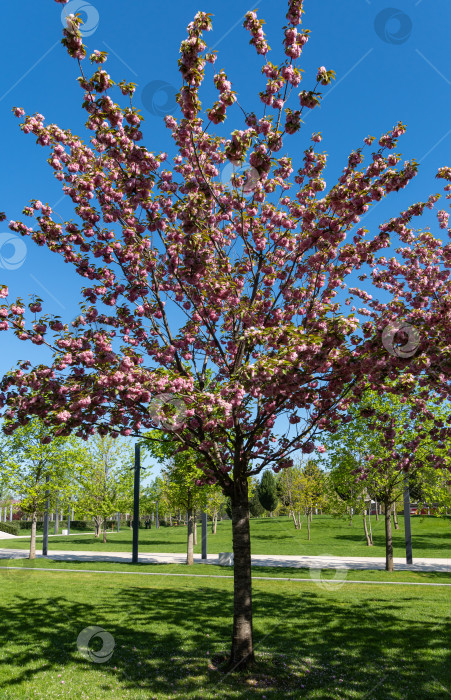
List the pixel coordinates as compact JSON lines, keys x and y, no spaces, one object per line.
{"x":242,"y":644}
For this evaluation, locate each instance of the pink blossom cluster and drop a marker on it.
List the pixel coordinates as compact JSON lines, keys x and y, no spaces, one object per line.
{"x":254,"y":26}
{"x":443,"y":217}
{"x":72,"y":37}
{"x":294,"y":42}
{"x":295,"y":11}
{"x":227,"y":98}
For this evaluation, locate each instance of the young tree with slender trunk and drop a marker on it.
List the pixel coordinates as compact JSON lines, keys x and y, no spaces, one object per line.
{"x":190,"y":271}
{"x":33,"y":454}
{"x":104,"y":478}
{"x":215,"y":502}
{"x":382,"y":442}
{"x":182,"y":482}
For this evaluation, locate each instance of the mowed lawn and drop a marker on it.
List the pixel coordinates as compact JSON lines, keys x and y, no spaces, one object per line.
{"x":171,"y":636}
{"x":329,"y":536}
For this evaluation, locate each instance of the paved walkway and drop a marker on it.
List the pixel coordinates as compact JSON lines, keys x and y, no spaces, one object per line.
{"x":310,"y":562}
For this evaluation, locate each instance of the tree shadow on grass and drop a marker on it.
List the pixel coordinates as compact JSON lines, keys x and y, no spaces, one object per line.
{"x":330,"y":642}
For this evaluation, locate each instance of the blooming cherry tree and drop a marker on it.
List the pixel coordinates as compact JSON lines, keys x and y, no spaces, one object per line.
{"x":230,"y":297}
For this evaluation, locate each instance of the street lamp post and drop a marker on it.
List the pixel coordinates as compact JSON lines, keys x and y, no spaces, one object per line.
{"x":68,"y":514}
{"x":204,"y":534}
{"x":45,"y":534}
{"x":56,"y":515}
{"x":137,"y":469}
{"x":407,"y":528}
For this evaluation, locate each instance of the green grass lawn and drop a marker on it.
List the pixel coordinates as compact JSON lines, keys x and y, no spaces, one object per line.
{"x":171,"y":636}
{"x":431,"y":538}
{"x":52,"y":530}
{"x":8,"y":569}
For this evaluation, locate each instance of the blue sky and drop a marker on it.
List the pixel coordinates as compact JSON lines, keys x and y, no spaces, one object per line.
{"x":392,"y":64}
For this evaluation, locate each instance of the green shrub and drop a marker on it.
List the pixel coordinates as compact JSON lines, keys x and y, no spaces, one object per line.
{"x":79,"y":525}
{"x":12,"y":528}
{"x":26,"y":524}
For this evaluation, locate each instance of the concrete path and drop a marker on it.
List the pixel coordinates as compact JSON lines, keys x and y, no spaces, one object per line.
{"x":310,"y":562}
{"x":6,"y":536}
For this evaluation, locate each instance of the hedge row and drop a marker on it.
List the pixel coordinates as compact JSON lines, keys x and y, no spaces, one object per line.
{"x":12,"y":528}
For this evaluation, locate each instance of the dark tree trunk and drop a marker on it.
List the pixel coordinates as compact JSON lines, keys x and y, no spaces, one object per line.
{"x":104,"y":532}
{"x":195,"y":529}
{"x":242,"y":644}
{"x":388,"y":538}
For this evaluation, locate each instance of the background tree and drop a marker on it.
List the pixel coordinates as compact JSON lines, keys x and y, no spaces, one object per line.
{"x":104,"y":479}
{"x":215,"y":502}
{"x":267,"y":492}
{"x":383,"y":442}
{"x":310,"y":490}
{"x":182,"y":481}
{"x":239,"y":277}
{"x":32,"y":457}
{"x":345,"y":496}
